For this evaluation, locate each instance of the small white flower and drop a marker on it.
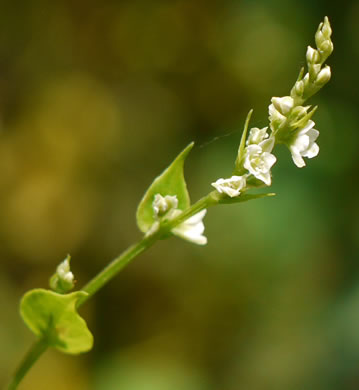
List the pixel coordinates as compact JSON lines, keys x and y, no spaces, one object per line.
{"x":259,"y":160}
{"x":192,"y":229}
{"x":257,"y":135}
{"x":231,"y":187}
{"x":304,"y":144}
{"x":162,"y":204}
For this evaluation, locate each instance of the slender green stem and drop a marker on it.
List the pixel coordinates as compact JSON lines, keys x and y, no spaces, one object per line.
{"x":133,"y":251}
{"x":116,"y":265}
{"x":210,"y":200}
{"x":37,"y":349}
{"x":109,"y":272}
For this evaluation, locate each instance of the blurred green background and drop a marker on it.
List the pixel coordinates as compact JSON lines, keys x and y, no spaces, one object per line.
{"x":96,"y":98}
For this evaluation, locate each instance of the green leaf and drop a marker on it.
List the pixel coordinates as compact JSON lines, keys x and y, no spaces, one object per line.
{"x":242,"y":144}
{"x":243,"y":198}
{"x":170,"y":182}
{"x":53,"y":317}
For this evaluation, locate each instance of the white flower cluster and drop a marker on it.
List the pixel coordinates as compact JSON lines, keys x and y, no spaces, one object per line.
{"x":301,"y":141}
{"x":257,"y":160}
{"x":291,"y":122}
{"x":191,"y":229}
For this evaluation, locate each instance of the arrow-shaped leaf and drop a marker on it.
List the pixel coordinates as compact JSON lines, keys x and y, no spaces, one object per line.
{"x":54,"y":317}
{"x":170,"y":182}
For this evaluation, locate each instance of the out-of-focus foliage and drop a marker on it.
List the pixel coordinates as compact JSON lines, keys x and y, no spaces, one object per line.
{"x":96,"y":99}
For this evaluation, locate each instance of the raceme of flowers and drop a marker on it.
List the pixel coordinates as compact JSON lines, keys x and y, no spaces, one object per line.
{"x":290,"y":123}
{"x":257,"y":160}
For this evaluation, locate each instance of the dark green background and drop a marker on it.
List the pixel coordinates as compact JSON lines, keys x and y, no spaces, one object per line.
{"x":96,"y":98}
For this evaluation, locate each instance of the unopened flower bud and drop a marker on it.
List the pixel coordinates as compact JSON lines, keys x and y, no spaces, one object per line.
{"x":322,"y":38}
{"x":313,"y":56}
{"x":326,"y":29}
{"x":63,"y":279}
{"x":299,"y":112}
{"x":323,"y":76}
{"x":314,"y":71}
{"x":257,"y":135}
{"x":319,"y":38}
{"x":298,"y":89}
{"x":327,"y":47}
{"x":283,"y":104}
{"x":306,"y":80}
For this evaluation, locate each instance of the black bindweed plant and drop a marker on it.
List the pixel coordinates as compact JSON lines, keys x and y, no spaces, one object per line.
{"x":166,"y":210}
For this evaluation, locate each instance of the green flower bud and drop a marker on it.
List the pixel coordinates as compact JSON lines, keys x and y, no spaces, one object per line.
{"x":323,"y":76}
{"x":297,"y":90}
{"x":327,"y":47}
{"x":313,"y":57}
{"x":314,"y":71}
{"x":326,"y":29}
{"x":298,"y":113}
{"x":323,"y":41}
{"x":283,"y":104}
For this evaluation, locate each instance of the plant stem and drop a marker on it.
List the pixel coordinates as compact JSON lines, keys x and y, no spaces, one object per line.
{"x":203,"y":203}
{"x":116,"y":265}
{"x":37,"y":349}
{"x":108,"y":273}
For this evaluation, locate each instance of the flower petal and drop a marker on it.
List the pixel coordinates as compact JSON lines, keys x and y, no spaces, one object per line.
{"x":307,"y":127}
{"x":265,"y":178}
{"x":192,"y":229}
{"x":312,"y":151}
{"x":297,"y":158}
{"x":302,"y":143}
{"x":269,"y":160}
{"x":313,"y":134}
{"x":267,"y":145}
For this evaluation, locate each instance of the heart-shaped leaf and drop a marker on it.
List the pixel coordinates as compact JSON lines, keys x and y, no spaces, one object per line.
{"x":170,"y":182}
{"x":53,"y":317}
